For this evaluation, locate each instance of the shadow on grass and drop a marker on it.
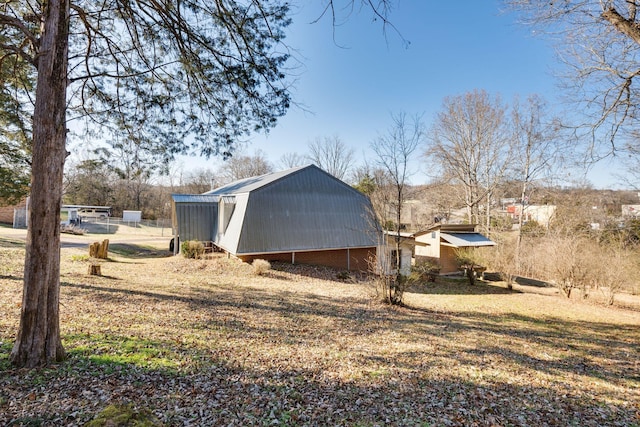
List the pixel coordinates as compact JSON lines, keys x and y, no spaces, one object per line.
{"x":96,"y":228}
{"x":581,"y":343}
{"x":6,"y":242}
{"x":293,"y":318}
{"x":208,"y":384}
{"x":318,"y":271}
{"x":130,"y":250}
{"x":459,"y":286}
{"x":218,"y":389}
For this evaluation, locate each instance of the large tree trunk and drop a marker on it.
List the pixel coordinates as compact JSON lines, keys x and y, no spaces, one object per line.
{"x":38,"y":342}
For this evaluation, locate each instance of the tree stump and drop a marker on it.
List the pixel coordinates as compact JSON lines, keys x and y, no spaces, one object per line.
{"x":99,"y":250}
{"x":103,"y":250}
{"x":93,"y":249}
{"x":94,"y":270}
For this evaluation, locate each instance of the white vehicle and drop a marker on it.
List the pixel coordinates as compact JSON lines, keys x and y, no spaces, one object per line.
{"x":95,"y":213}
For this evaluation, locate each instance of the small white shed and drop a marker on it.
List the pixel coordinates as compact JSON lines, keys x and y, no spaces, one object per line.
{"x":440,"y":242}
{"x":387,"y":258}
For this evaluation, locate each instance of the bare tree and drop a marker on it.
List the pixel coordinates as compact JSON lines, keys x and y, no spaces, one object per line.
{"x":292,"y":160}
{"x":443,"y":197}
{"x":331,"y":155}
{"x":244,"y":166}
{"x":631,"y":164}
{"x":394,"y":151}
{"x":613,"y":274}
{"x":136,"y":166}
{"x":379,"y":186}
{"x":89,"y":182}
{"x":599,"y":41}
{"x":536,"y":153}
{"x":199,"y":181}
{"x":469,"y":143}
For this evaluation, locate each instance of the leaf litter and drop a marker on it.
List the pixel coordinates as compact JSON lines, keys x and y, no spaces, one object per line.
{"x":207,"y":342}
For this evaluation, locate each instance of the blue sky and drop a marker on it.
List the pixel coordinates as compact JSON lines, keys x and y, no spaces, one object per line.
{"x":352,"y":85}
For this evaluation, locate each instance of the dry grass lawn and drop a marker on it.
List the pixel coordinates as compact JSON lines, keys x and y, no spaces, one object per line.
{"x":207,"y":342}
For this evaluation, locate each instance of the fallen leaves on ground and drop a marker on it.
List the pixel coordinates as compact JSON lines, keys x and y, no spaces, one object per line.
{"x":207,"y":342}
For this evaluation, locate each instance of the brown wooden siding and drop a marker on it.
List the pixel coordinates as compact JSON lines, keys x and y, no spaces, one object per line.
{"x":333,"y":258}
{"x":448,"y":262}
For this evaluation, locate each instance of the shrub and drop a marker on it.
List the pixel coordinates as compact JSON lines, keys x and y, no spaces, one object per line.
{"x":192,"y":249}
{"x":260,"y":266}
{"x":425,"y":270}
{"x":501,"y":223}
{"x":533,"y":228}
{"x":343,"y":275}
{"x":569,"y":262}
{"x":470,"y":260}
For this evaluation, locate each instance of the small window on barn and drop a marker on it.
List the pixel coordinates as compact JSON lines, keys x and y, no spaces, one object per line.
{"x":433,"y":234}
{"x":227,"y":205}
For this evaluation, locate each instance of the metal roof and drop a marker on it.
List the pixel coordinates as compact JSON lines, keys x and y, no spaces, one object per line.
{"x":465,"y":240}
{"x":195,"y":221}
{"x":448,"y":228}
{"x":249,"y":184}
{"x":194,"y":198}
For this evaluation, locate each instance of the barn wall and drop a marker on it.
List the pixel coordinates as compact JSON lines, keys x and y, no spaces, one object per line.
{"x":307,"y":210}
{"x":332,"y":258}
{"x":447,"y":260}
{"x":196,"y":221}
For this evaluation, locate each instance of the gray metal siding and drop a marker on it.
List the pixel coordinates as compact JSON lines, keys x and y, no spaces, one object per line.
{"x":307,"y":210}
{"x":196,"y":221}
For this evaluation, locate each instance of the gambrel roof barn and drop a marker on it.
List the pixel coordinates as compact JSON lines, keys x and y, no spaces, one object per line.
{"x":300,"y":215}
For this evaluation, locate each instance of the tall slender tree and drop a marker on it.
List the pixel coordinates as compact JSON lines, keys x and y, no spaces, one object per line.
{"x":394,"y":150}
{"x":537,"y":152}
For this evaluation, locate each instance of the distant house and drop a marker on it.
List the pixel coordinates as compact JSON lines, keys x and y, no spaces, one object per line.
{"x":301,"y":215}
{"x":631,"y":211}
{"x":440,"y":242}
{"x":542,"y":214}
